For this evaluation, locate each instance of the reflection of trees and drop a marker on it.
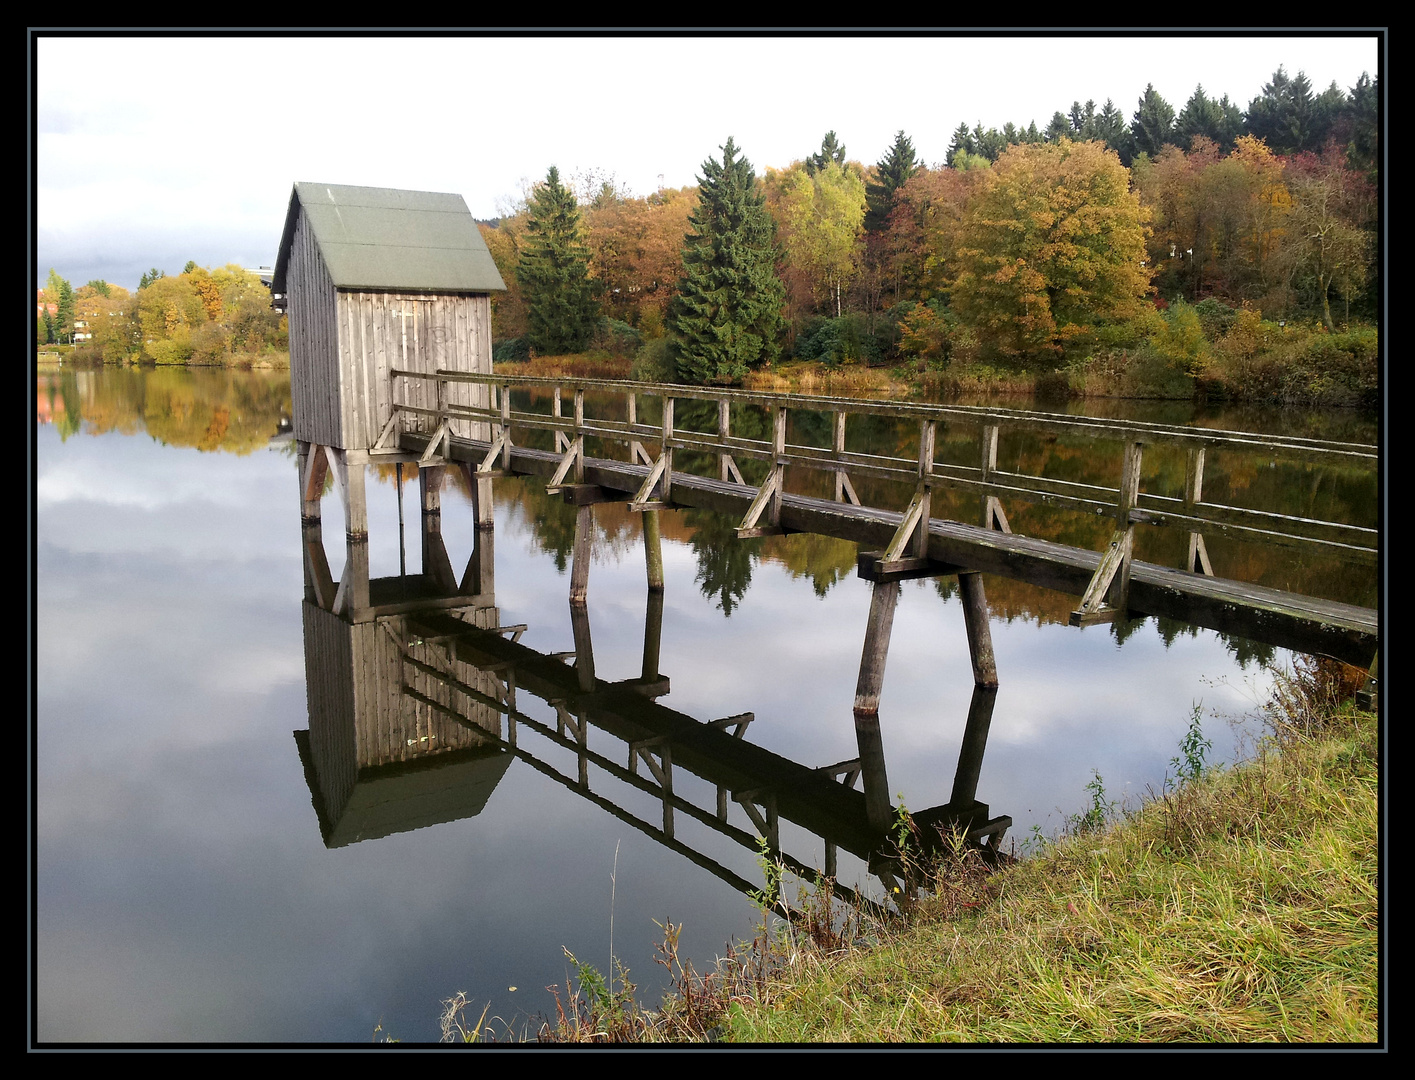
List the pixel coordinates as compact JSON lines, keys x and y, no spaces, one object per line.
{"x":724,"y":562}
{"x":210,"y":409}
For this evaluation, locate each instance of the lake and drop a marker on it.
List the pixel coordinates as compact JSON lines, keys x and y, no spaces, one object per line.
{"x":188,"y":888}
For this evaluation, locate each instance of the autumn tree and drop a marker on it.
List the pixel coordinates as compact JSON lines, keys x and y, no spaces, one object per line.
{"x":553,"y":271}
{"x":1330,"y":245}
{"x":636,"y":253}
{"x":822,"y":218}
{"x":726,"y":318}
{"x":926,"y":230}
{"x":1054,"y":250}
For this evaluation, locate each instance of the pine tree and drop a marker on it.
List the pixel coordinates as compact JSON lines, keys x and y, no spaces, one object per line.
{"x":893,"y":171}
{"x":831,"y":150}
{"x":1153,"y":123}
{"x":726,"y":318}
{"x":553,"y":272}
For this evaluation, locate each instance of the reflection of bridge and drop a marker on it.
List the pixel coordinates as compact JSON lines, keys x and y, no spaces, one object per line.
{"x":414,"y":691}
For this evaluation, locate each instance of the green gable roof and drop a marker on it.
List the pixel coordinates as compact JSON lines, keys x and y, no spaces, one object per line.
{"x":384,"y":238}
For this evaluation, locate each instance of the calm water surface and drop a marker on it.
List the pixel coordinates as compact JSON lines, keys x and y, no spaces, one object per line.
{"x":185,"y":888}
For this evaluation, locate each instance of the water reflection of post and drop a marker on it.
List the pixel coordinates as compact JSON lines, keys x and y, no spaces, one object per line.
{"x":867,"y":690}
{"x":975,"y":741}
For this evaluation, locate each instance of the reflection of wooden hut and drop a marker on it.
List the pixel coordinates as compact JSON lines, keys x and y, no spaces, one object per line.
{"x":394,"y":742}
{"x":377,"y":279}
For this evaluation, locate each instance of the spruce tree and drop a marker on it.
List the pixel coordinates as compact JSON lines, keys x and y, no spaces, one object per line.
{"x":1153,"y":123}
{"x":726,"y":318}
{"x":892,"y":172}
{"x":831,"y":150}
{"x":553,"y":272}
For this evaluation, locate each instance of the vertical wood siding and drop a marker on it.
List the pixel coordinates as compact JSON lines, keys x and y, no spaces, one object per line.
{"x":381,"y":331}
{"x":314,"y":352}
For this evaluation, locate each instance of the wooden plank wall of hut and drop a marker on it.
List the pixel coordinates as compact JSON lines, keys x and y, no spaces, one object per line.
{"x":314,"y":348}
{"x":381,"y":331}
{"x":393,"y":727}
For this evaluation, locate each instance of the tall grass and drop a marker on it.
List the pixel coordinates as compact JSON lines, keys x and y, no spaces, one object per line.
{"x":1236,"y":905}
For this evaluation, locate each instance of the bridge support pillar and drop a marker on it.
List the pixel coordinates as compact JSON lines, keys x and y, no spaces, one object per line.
{"x":580,"y":558}
{"x":653,"y":550}
{"x":975,"y":621}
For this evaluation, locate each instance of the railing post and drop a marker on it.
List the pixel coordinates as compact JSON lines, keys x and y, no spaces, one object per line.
{"x":768,"y":497}
{"x":993,"y":516}
{"x":843,"y":488}
{"x":1107,"y":596}
{"x":579,"y":435}
{"x":1198,"y":558}
{"x":926,"y":473}
{"x":724,"y":422}
{"x":666,"y":451}
{"x":506,"y":426}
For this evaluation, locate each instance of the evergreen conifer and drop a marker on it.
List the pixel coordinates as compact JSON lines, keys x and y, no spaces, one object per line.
{"x":727,"y":318}
{"x":892,"y":171}
{"x":553,"y":272}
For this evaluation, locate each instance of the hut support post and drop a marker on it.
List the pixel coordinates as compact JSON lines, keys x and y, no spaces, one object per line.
{"x":876,"y":648}
{"x":584,"y":648}
{"x":479,"y":579}
{"x":352,"y":597}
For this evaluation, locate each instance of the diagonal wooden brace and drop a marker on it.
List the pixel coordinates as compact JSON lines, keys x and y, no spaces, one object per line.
{"x":768,"y":495}
{"x":442,"y":436}
{"x":389,"y":429}
{"x":1108,"y":592}
{"x":498,"y":445}
{"x":574,"y":453}
{"x":644,"y":500}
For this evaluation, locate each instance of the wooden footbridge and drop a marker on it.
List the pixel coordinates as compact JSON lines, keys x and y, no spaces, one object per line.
{"x":486,"y":440}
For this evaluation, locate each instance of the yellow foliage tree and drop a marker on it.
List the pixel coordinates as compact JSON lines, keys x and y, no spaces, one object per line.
{"x":1054,"y":249}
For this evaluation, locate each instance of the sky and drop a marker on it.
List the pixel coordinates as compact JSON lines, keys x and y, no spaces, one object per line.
{"x":153,"y":150}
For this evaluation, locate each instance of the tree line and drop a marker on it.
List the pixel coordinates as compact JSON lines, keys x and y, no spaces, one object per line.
{"x":200,"y":316}
{"x":1027,"y":247}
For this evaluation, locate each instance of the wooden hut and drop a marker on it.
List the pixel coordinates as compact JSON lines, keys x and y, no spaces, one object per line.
{"x":377,"y":279}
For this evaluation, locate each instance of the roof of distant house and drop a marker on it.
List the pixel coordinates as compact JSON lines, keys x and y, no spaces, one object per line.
{"x":385,"y":238}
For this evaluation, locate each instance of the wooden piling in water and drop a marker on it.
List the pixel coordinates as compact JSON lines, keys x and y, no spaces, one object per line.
{"x":580,"y":557}
{"x":975,"y":621}
{"x":883,"y":598}
{"x":653,"y":550}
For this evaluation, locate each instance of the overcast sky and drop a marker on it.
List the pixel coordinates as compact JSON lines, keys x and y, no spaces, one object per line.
{"x":155,"y":150}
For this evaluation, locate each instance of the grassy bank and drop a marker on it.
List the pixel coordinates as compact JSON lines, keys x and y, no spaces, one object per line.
{"x":1237,"y":906}
{"x":1242,"y":908}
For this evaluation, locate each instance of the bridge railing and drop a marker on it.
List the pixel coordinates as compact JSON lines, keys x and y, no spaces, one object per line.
{"x":1127,"y":503}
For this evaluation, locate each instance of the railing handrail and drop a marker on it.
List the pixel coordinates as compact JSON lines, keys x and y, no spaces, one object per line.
{"x":1096,"y":427}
